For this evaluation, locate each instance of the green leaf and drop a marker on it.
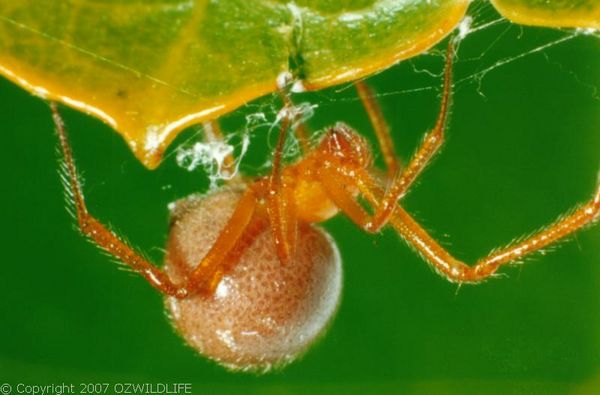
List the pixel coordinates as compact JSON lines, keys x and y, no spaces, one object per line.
{"x":556,"y":13}
{"x":151,"y":68}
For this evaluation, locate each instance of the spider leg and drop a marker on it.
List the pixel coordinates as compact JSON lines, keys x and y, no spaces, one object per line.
{"x":300,"y":130}
{"x":209,"y":271}
{"x":380,"y":126}
{"x":429,"y":147}
{"x":337,"y":184}
{"x":448,"y":266}
{"x":246,"y":222}
{"x":301,"y":133}
{"x":280,"y":202}
{"x":457,"y":271}
{"x":99,"y":233}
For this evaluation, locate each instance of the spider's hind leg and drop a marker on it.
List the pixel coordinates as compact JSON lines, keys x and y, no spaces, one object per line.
{"x":335,"y":182}
{"x":456,"y":271}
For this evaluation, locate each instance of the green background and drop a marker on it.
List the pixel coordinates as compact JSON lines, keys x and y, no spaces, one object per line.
{"x":523,"y":147}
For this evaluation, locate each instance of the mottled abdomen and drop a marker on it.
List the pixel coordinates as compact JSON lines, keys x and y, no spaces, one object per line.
{"x":263,"y":314}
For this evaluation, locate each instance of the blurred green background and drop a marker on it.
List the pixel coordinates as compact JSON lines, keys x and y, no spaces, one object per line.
{"x":523,"y":147}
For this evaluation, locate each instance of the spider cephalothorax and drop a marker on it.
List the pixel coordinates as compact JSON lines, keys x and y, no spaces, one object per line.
{"x":346,"y":147}
{"x":341,"y":148}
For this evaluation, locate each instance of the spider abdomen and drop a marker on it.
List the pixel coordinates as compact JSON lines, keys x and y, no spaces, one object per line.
{"x":263,"y":313}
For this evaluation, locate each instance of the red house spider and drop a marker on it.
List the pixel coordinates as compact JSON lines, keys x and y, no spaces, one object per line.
{"x":248,"y":305}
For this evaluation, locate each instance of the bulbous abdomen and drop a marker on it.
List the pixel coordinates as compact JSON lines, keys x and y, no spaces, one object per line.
{"x":263,"y":313}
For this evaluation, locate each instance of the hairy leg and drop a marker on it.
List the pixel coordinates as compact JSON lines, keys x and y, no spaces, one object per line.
{"x":300,"y":130}
{"x":457,"y":271}
{"x":206,"y":275}
{"x":448,"y":266}
{"x":431,"y":144}
{"x":280,"y":201}
{"x":99,"y":233}
{"x":248,"y":220}
{"x":381,"y":128}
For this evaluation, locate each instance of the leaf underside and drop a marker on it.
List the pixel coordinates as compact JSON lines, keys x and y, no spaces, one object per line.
{"x":150,"y":68}
{"x":555,"y":13}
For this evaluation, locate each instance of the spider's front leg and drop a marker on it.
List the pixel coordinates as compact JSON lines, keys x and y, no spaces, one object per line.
{"x":268,"y":201}
{"x":380,"y":127}
{"x":99,"y":233}
{"x":280,"y":195}
{"x":429,"y":147}
{"x":274,"y":194}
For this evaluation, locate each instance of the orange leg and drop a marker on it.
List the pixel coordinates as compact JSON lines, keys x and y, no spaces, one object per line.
{"x":430,"y":146}
{"x":246,"y":221}
{"x":456,"y":271}
{"x":301,"y":133}
{"x":280,"y":211}
{"x":280,"y":200}
{"x":209,"y":271}
{"x":381,"y":128}
{"x":300,"y":130}
{"x":205,"y":277}
{"x":448,"y":266}
{"x":100,"y":234}
{"x":337,"y":184}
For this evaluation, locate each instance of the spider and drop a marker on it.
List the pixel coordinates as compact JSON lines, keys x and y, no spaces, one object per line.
{"x":249,"y":280}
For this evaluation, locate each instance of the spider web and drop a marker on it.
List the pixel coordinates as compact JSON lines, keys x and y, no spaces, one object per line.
{"x":262,"y":118}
